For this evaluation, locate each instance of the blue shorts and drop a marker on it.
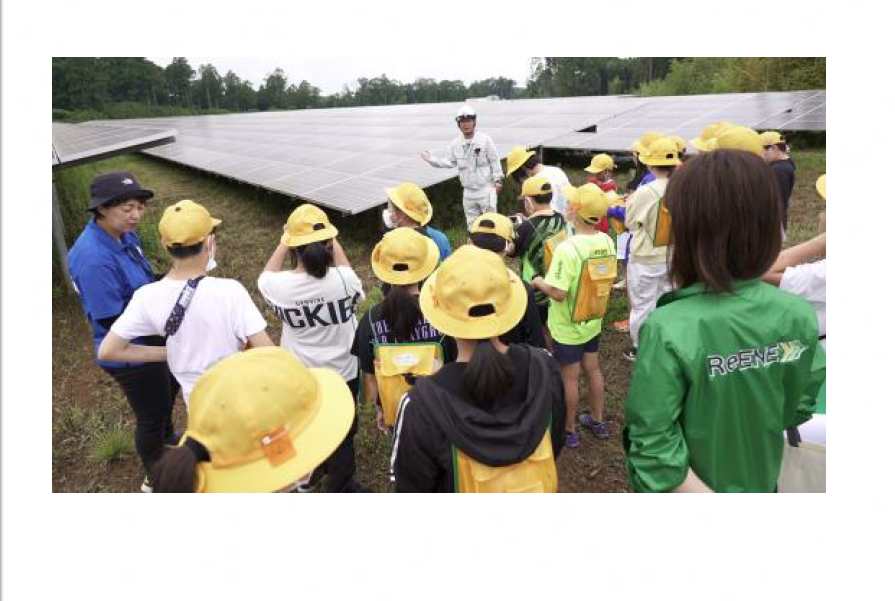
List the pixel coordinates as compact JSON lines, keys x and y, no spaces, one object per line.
{"x":567,"y":354}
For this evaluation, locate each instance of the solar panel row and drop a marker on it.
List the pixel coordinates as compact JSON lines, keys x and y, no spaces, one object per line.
{"x":73,"y":144}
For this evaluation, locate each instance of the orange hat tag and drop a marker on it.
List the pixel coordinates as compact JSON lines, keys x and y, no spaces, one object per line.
{"x":277,"y":446}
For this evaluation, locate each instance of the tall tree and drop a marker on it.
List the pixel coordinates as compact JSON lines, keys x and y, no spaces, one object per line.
{"x":210,"y":86}
{"x":272,"y":93}
{"x":179,"y":77}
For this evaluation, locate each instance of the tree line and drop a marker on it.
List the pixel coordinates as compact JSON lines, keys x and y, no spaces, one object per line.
{"x":121,"y":87}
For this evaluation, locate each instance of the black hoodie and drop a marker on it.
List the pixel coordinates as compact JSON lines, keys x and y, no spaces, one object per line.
{"x":440,"y":415}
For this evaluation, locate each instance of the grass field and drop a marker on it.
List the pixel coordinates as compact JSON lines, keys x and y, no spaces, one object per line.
{"x":92,"y":424}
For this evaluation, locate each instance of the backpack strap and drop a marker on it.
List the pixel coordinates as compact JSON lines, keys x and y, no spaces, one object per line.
{"x":175,"y":318}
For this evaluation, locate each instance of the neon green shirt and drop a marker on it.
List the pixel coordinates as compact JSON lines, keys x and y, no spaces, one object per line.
{"x":564,"y":274}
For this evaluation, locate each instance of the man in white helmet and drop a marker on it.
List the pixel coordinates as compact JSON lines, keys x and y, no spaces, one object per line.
{"x":475,"y":157}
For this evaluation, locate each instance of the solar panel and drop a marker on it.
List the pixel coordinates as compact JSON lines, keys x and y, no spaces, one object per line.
{"x":343,"y":158}
{"x":75,"y":144}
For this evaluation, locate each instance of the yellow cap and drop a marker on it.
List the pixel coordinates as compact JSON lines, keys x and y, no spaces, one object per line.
{"x":411,"y":199}
{"x":680,"y":143}
{"x":404,"y":256}
{"x":822,"y":185}
{"x":536,"y":186}
{"x":600,"y":163}
{"x":589,"y":202}
{"x":517,"y":157}
{"x":186,"y":223}
{"x":710,"y":132}
{"x":493,"y":223}
{"x":473,"y":295}
{"x":737,"y":137}
{"x":641,"y":145}
{"x":661,"y":153}
{"x":769,"y":138}
{"x":265,"y":420}
{"x":307,"y":224}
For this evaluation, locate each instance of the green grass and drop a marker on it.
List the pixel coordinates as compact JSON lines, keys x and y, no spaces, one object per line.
{"x":113,"y":445}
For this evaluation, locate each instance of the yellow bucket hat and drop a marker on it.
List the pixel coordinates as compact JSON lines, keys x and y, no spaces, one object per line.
{"x":641,"y":145}
{"x":307,"y":224}
{"x":770,"y":138}
{"x":710,"y":132}
{"x":737,"y":138}
{"x":536,"y":186}
{"x":404,"y":256}
{"x":680,"y":142}
{"x":517,"y":157}
{"x":822,"y":185}
{"x":265,"y":420}
{"x":600,"y":163}
{"x":411,"y":199}
{"x":493,"y":223}
{"x":589,"y":202}
{"x":473,"y":295}
{"x":661,"y":153}
{"x":186,"y":223}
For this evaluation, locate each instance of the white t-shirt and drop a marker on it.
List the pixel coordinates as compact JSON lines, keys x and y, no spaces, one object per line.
{"x":558,"y":180}
{"x":810,"y":282}
{"x":217,"y":323}
{"x":318,"y":315}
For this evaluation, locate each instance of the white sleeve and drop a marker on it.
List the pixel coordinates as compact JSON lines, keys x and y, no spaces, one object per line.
{"x":353,"y":282}
{"x":246,"y":319}
{"x":445,"y":163}
{"x":808,"y":281}
{"x":494,"y":159}
{"x":134,"y":322}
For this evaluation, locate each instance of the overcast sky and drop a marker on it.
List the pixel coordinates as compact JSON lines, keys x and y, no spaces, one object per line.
{"x":330,"y":74}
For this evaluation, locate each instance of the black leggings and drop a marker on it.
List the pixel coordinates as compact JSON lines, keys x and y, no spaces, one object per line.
{"x":341,"y":465}
{"x":150,"y":390}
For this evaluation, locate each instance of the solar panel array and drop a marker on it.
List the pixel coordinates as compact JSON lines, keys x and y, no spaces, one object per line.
{"x":686,"y":116}
{"x":344,"y":158}
{"x":74,"y":144}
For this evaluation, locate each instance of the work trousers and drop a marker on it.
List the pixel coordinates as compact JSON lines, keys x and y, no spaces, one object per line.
{"x":646,"y":283}
{"x":473,"y":207}
{"x":150,"y":390}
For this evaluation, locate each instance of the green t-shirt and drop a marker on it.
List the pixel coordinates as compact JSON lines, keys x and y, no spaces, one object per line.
{"x":564,"y":274}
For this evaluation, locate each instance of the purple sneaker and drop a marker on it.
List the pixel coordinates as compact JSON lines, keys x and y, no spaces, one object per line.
{"x":598,"y":429}
{"x":572,"y":440}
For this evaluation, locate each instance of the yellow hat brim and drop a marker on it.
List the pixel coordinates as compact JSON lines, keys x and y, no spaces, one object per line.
{"x":316,"y":236}
{"x":700,"y":144}
{"x":511,"y":167}
{"x":475,"y":328}
{"x":313,"y":445}
{"x":405,"y":278}
{"x":821,"y":186}
{"x":392,"y":194}
{"x":663,"y":162}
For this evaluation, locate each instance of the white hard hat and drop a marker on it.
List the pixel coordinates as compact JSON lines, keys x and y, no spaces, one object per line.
{"x":465,"y":111}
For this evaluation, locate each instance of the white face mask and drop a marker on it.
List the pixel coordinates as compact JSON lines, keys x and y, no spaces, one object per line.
{"x":211,"y":262}
{"x":387,"y":219}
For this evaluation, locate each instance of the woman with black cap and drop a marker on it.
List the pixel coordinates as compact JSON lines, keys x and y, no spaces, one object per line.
{"x":107,"y":265}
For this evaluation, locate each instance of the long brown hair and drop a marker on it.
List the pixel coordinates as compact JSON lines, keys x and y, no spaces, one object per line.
{"x":725,"y":210}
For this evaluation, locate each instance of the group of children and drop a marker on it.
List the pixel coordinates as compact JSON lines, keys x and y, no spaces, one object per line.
{"x":474,"y":369}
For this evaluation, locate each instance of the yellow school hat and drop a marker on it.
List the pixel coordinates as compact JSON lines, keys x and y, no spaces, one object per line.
{"x":473,"y":295}
{"x":600,"y":163}
{"x":307,"y":224}
{"x":641,"y":145}
{"x":822,"y":185}
{"x":589,"y":202}
{"x":493,"y":223}
{"x":710,"y":132}
{"x":536,"y":186}
{"x":517,"y":157}
{"x":265,"y":420}
{"x":680,"y":143}
{"x":186,"y":223}
{"x":404,"y":256}
{"x":770,"y":138}
{"x":661,"y":153}
{"x":411,"y":199}
{"x":738,"y":138}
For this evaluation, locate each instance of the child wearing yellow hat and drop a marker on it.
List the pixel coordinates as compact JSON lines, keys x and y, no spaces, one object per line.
{"x":260,"y":419}
{"x":775,"y":152}
{"x":600,"y":168}
{"x":578,"y":285}
{"x":491,"y":421}
{"x":408,"y":206}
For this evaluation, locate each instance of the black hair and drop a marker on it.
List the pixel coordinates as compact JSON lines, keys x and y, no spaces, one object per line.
{"x":665,"y":169}
{"x":179,"y":251}
{"x":401,"y":312}
{"x":531,"y":162}
{"x":489,"y":373}
{"x":176,"y":470}
{"x":489,"y":241}
{"x":725,"y":210}
{"x":542,"y":199}
{"x":112,"y":204}
{"x":315,"y":258}
{"x":639,"y":173}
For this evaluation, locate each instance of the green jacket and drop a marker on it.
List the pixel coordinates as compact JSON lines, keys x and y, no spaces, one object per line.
{"x":718,"y":379}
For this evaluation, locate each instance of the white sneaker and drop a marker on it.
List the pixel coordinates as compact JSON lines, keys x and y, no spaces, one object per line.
{"x":621,"y":284}
{"x":145,"y":487}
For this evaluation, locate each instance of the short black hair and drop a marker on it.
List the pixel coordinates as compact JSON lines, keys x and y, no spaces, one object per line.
{"x":185,"y":252}
{"x":489,"y":241}
{"x":530,"y":163}
{"x":114,"y":203}
{"x":543,"y":199}
{"x":664,"y":169}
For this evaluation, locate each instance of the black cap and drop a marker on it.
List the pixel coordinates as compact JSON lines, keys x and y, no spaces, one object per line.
{"x":109,"y":187}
